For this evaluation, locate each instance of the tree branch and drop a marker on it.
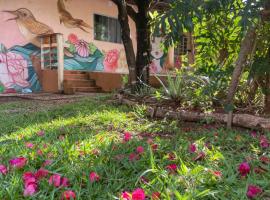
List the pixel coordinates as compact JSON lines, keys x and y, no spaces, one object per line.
{"x":132,"y":13}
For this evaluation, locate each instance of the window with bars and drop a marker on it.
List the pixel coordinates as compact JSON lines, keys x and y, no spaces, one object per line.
{"x":107,"y":29}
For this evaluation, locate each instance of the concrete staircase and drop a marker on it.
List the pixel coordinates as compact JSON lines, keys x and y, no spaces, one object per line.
{"x":79,"y":81}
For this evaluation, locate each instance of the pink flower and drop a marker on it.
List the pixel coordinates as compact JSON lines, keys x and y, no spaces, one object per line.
{"x":127,"y":136}
{"x":253,"y":134}
{"x":192,"y":148}
{"x":126,"y":196}
{"x":253,"y":191}
{"x":29,"y":177}
{"x":265,"y":160}
{"x":72,"y":38}
{"x":138,"y":194}
{"x":133,"y":157}
{"x":110,"y":60}
{"x":47,"y":162}
{"x":68,"y":195}
{"x":55,"y":180}
{"x":172,"y":167}
{"x":39,"y":152}
{"x":244,"y":168}
{"x":18,"y":162}
{"x":64,"y":182}
{"x":82,"y":48}
{"x":13,"y":70}
{"x":140,"y":149}
{"x":30,"y":189}
{"x":217,"y":173}
{"x":154,"y":147}
{"x":29,"y":145}
{"x":3,"y":170}
{"x":41,"y":173}
{"x":264,"y":142}
{"x":93,"y":176}
{"x":41,"y":133}
{"x":155,"y":196}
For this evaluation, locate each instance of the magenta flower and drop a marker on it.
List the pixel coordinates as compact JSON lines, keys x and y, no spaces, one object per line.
{"x":55,"y":180}
{"x":47,"y":162}
{"x":172,"y":168}
{"x":140,"y":150}
{"x":127,"y":136}
{"x":64,"y":182}
{"x":29,"y":145}
{"x":41,"y":133}
{"x":253,"y":134}
{"x":30,"y":184}
{"x":133,"y":157}
{"x":192,"y":148}
{"x":244,"y":168}
{"x":154,"y":147}
{"x":253,"y":191}
{"x":126,"y":196}
{"x":264,"y":142}
{"x":82,"y":48}
{"x":68,"y":195}
{"x":41,"y":173}
{"x":30,"y":189}
{"x":3,"y":170}
{"x":138,"y":194}
{"x":19,"y":162}
{"x":93,"y":176}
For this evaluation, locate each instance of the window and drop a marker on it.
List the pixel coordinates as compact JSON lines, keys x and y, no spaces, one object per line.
{"x":107,"y":29}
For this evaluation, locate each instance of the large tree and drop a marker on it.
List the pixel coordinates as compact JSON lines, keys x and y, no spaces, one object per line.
{"x":139,"y":12}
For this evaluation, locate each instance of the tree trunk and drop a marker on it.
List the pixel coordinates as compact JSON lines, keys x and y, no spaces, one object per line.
{"x":128,"y":45}
{"x":143,"y":41}
{"x":247,"y":46}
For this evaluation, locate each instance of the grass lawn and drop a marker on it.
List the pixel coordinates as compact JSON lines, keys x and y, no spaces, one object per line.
{"x":102,"y":151}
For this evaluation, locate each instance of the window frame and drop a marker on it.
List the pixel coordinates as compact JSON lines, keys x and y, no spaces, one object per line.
{"x":108,"y":16}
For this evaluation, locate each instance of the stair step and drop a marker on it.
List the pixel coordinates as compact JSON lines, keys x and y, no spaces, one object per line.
{"x":87,"y":89}
{"x":80,"y":82}
{"x":74,"y":72}
{"x":79,"y":76}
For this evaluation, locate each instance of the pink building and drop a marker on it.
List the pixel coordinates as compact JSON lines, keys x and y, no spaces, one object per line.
{"x":94,"y":57}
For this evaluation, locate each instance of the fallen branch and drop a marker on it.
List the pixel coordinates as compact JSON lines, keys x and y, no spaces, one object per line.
{"x":240,"y":120}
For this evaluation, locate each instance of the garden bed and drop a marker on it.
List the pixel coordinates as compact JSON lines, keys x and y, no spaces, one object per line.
{"x":172,"y":111}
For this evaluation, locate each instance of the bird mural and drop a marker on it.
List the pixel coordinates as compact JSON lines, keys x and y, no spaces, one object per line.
{"x":67,"y":19}
{"x":29,"y":26}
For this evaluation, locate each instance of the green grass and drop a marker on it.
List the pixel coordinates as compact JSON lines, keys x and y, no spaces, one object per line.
{"x":73,"y":132}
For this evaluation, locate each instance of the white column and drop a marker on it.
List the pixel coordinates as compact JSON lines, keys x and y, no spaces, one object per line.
{"x":60,"y":60}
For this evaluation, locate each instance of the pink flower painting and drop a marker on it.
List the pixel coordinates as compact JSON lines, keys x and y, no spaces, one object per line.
{"x":82,"y":48}
{"x":13,"y":70}
{"x":73,"y":39}
{"x":111,"y":60}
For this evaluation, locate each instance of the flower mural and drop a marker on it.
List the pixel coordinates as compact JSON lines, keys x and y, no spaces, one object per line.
{"x":111,"y":60}
{"x":13,"y":70}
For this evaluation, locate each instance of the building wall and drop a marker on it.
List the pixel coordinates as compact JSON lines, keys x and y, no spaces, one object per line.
{"x":19,"y":47}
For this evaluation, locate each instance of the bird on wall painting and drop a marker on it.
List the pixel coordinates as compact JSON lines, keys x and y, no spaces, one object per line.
{"x":29,"y":26}
{"x":67,"y":19}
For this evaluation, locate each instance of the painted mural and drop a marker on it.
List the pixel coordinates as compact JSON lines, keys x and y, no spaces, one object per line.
{"x":68,"y":20}
{"x":17,"y":54}
{"x":17,"y":74}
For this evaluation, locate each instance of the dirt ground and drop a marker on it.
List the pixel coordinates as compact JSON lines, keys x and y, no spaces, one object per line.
{"x":45,"y":97}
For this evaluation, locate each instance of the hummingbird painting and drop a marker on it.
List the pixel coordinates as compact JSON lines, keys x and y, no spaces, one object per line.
{"x":29,"y":26}
{"x":67,"y":19}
